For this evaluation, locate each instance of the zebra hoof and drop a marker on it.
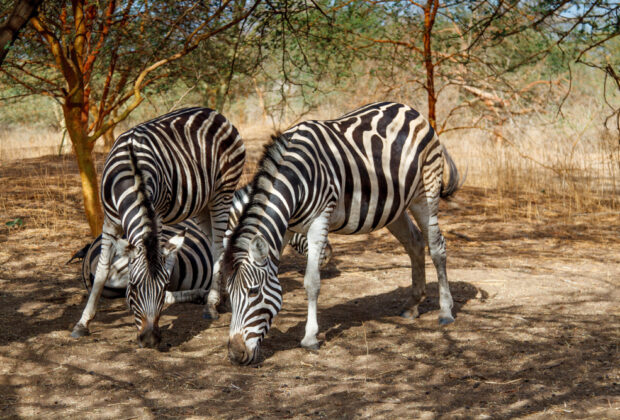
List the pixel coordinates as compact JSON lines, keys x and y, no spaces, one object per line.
{"x":445,"y":320}
{"x":79,"y":331}
{"x":311,"y":347}
{"x":210,"y":313}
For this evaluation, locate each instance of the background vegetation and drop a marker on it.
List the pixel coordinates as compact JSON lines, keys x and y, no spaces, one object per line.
{"x":526,"y":95}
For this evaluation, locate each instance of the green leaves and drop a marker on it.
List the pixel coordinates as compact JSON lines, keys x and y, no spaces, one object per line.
{"x":15,"y":223}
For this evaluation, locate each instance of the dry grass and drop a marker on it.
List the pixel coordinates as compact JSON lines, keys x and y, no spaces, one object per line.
{"x":538,"y":160}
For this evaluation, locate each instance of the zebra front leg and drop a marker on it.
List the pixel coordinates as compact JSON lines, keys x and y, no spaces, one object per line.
{"x":425,"y":213}
{"x":411,"y":238}
{"x":186,"y":296}
{"x":317,"y":235}
{"x":101,"y":276}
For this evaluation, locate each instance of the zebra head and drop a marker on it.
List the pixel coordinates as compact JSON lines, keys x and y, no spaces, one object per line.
{"x":149,"y":276}
{"x":255,"y":297}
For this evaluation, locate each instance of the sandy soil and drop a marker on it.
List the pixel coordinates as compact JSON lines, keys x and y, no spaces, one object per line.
{"x":536,"y":335}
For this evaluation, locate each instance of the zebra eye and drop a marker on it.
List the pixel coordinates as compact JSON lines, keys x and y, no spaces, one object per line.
{"x":253,"y":291}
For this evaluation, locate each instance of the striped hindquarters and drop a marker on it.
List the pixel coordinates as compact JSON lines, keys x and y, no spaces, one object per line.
{"x":189,"y":158}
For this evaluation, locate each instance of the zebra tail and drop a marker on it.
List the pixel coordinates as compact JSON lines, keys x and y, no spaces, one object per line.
{"x":454,"y":182}
{"x":80,"y":254}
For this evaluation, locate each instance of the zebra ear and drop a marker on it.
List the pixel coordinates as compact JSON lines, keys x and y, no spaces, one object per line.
{"x":172,"y":246}
{"x":259,"y":249}
{"x":170,"y":250}
{"x":125,"y":249}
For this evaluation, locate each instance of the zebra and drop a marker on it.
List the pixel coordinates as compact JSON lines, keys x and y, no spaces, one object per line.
{"x":350,"y":175}
{"x":297,"y":241}
{"x":190,"y":278}
{"x":180,"y":165}
{"x":191,"y":275}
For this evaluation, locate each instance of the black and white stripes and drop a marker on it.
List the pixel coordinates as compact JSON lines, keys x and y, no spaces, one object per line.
{"x":350,"y":175}
{"x":181,"y":165}
{"x":191,"y":275}
{"x":297,"y":241}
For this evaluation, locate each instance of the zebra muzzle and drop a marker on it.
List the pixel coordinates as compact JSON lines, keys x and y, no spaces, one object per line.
{"x":149,"y":337}
{"x":238,"y":351}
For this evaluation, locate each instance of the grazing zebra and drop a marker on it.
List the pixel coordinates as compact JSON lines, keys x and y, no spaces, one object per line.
{"x":298,"y":241}
{"x":193,"y":269}
{"x":350,"y":175}
{"x":190,"y":278}
{"x":183,"y":164}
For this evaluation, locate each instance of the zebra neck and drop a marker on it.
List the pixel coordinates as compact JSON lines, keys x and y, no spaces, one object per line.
{"x":267,"y":214}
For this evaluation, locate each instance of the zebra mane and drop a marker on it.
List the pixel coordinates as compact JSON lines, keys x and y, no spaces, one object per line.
{"x":151,"y":229}
{"x":267,"y":167}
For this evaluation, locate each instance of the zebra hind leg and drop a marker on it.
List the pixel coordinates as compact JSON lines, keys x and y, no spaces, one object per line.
{"x":300,"y":244}
{"x":425,"y":214}
{"x":411,"y":238}
{"x":214,"y":221}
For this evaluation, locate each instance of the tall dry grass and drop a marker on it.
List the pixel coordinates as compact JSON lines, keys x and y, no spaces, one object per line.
{"x":545,"y":164}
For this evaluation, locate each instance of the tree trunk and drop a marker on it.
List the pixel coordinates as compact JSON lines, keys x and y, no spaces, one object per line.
{"x":220,"y":97}
{"x":86,"y":165}
{"x":22,"y":12}
{"x":261,"y":100}
{"x":108,"y":140}
{"x":429,"y":20}
{"x":90,"y":185}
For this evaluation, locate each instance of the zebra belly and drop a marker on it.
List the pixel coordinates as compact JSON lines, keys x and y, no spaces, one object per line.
{"x":366,"y":212}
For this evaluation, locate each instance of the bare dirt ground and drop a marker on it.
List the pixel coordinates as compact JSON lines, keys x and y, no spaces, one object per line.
{"x":537,"y":328}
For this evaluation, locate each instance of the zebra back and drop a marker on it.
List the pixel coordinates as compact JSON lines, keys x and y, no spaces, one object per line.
{"x":185,"y":158}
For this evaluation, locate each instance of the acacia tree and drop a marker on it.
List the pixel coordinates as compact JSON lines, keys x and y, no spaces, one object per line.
{"x":97,"y":58}
{"x":483,"y":48}
{"x":22,"y":11}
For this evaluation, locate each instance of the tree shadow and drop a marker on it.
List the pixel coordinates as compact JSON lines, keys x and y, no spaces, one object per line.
{"x":333,"y":321}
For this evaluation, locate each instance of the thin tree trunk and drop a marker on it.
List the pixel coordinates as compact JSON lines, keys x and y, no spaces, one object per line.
{"x":261,"y":100}
{"x":22,"y":12}
{"x":429,"y":20}
{"x":108,"y":140}
{"x":220,"y":97}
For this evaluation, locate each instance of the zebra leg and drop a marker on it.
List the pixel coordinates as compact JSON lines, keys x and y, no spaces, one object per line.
{"x":326,"y":253}
{"x":425,"y":214}
{"x":317,"y":235}
{"x":186,"y":296}
{"x":411,"y":238}
{"x":214,"y":222}
{"x":300,"y":244}
{"x":101,"y":276}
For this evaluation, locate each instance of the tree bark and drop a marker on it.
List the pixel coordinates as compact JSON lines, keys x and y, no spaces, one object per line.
{"x":430,"y":11}
{"x":86,"y":165}
{"x":90,"y":185}
{"x":22,"y":12}
{"x":108,"y":140}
